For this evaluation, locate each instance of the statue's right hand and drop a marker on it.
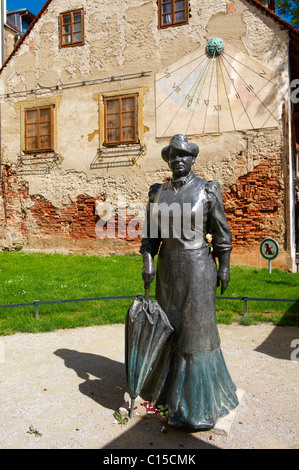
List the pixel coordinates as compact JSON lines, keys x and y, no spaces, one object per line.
{"x":148,"y":269}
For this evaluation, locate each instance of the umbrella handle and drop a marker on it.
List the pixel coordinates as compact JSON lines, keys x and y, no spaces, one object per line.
{"x":146,"y":295}
{"x":147,"y":289}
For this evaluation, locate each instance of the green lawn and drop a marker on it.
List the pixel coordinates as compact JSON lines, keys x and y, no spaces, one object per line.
{"x":28,"y":277}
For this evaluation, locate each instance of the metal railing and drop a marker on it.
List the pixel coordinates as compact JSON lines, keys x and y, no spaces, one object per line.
{"x":37,"y":303}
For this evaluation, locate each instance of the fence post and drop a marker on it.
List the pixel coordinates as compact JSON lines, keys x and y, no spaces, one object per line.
{"x":245,"y":298}
{"x":36,"y":303}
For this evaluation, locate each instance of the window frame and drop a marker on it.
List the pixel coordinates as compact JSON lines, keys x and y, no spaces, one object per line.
{"x":61,"y":35}
{"x":174,"y":23}
{"x":121,"y":141}
{"x":39,"y":149}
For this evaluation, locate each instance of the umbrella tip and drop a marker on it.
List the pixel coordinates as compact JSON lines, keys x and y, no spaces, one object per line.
{"x":132,"y":408}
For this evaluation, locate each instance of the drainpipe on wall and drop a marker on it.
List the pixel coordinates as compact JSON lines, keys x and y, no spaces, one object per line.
{"x":0,"y":145}
{"x":2,"y":60}
{"x":291,"y":176}
{"x":3,"y":15}
{"x":3,"y":21}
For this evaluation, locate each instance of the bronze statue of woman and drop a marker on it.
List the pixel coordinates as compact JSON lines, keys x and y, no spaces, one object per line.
{"x":190,"y":374}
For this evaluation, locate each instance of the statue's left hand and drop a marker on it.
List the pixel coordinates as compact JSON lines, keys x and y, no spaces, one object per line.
{"x":223,"y":277}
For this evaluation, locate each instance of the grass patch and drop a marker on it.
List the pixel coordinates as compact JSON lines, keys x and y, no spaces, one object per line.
{"x":258,"y":283}
{"x":26,"y":277}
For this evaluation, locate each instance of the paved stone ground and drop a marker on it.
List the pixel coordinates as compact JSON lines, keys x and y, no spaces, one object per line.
{"x":66,"y":385}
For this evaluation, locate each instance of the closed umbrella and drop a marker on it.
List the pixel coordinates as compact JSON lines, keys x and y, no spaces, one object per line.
{"x":146,"y":331}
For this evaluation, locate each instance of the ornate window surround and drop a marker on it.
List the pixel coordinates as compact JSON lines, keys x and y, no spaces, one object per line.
{"x":22,"y":106}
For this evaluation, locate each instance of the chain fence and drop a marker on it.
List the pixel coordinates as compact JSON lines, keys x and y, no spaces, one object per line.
{"x":37,"y":303}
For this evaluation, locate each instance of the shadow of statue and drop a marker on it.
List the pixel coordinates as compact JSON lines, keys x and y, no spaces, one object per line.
{"x":105,"y":382}
{"x":147,"y":434}
{"x":105,"y":379}
{"x":281,"y":342}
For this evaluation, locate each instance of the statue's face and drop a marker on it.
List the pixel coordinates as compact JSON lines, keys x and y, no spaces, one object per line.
{"x":180,"y":162}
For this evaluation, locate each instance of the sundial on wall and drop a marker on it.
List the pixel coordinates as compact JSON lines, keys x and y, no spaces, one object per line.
{"x":215,"y":89}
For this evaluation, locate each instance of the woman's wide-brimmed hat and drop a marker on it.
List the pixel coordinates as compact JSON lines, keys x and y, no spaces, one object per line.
{"x":180,"y":142}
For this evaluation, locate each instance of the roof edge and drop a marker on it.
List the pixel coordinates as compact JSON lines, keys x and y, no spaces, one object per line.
{"x":274,"y":15}
{"x":20,"y":10}
{"x":13,"y":28}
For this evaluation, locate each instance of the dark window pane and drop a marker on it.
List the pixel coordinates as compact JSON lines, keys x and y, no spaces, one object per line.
{"x":66,"y":29}
{"x":31,"y":116}
{"x":113,"y":121}
{"x":32,"y":130}
{"x":77,"y":27}
{"x":179,"y":16}
{"x":112,"y":106}
{"x":66,"y":39}
{"x":77,"y":16}
{"x":128,"y":134}
{"x":167,"y":19}
{"x":45,"y":128}
{"x":167,"y":8}
{"x":180,"y":5}
{"x":32,"y":143}
{"x":77,"y":37}
{"x":128,"y":119}
{"x":45,"y":114}
{"x":66,"y":19}
{"x":128,"y":104}
{"x":113,"y":135}
{"x":45,"y":142}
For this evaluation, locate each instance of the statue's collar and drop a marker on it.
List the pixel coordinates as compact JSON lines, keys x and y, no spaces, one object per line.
{"x":179,"y":182}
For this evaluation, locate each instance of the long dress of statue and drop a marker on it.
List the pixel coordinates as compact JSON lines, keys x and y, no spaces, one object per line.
{"x":190,"y":374}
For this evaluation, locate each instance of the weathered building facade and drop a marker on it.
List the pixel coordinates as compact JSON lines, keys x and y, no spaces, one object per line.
{"x":94,"y":90}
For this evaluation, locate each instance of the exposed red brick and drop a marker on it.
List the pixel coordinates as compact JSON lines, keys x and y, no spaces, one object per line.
{"x":14,"y":194}
{"x":252,"y":205}
{"x":253,"y":202}
{"x":77,"y":220}
{"x":230,"y":7}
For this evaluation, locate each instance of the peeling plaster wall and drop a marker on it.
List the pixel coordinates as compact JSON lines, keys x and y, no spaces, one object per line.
{"x":122,"y":39}
{"x":10,"y":38}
